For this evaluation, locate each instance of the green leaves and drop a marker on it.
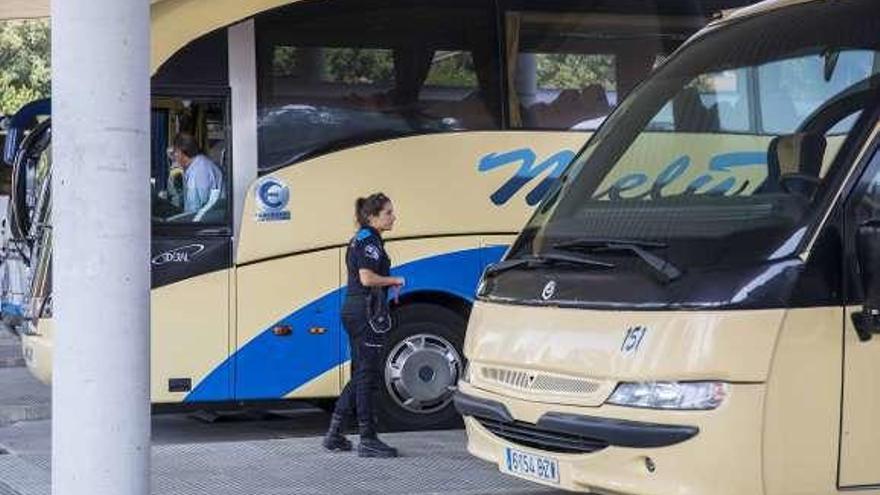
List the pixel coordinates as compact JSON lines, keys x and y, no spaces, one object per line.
{"x":25,"y":70}
{"x":575,"y":71}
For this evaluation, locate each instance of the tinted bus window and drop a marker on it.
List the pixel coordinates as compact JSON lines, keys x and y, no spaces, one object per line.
{"x":338,"y":75}
{"x":762,"y":100}
{"x":717,"y":102}
{"x":189,"y":189}
{"x":784,"y":105}
{"x":568,"y":70}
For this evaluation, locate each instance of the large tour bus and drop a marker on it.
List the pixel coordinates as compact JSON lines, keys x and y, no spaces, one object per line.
{"x":695,"y":307}
{"x":464,"y":112}
{"x":16,"y":292}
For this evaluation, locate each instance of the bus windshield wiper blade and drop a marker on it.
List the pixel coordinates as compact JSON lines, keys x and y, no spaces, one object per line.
{"x":567,"y":258}
{"x":503,"y":266}
{"x":667,"y":271}
{"x":544,"y":259}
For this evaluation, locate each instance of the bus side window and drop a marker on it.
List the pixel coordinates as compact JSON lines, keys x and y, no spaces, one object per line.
{"x":785,"y":105}
{"x":568,"y":70}
{"x":867,"y":205}
{"x":716,"y":102}
{"x":863,"y":206}
{"x":327,"y":83}
{"x":193,"y":191}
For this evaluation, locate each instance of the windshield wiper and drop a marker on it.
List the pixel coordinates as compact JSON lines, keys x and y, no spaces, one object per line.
{"x":667,"y":271}
{"x":545,"y":259}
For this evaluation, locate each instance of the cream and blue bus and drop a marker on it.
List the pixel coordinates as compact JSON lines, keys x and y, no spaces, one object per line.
{"x":695,"y":307}
{"x":464,"y":112}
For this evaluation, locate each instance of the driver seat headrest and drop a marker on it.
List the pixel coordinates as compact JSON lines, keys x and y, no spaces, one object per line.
{"x":797,"y":153}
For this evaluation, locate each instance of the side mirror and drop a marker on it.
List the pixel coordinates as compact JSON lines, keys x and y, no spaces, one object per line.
{"x":867,"y":321}
{"x":797,"y":159}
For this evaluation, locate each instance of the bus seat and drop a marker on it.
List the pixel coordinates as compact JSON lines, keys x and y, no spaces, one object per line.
{"x":691,"y":114}
{"x":800,"y":153}
{"x":569,"y":108}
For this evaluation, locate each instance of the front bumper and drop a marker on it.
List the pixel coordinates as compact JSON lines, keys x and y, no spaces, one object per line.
{"x":605,"y":432}
{"x":37,"y":350}
{"x":626,"y":450}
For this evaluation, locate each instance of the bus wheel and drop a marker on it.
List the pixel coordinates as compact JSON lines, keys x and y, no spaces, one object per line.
{"x":422,"y":363}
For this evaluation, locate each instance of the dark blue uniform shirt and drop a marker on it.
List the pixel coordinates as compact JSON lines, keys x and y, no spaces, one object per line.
{"x":366,"y":250}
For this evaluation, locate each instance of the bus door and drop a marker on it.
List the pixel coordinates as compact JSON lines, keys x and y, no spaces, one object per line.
{"x":191,"y":247}
{"x":860,"y":436}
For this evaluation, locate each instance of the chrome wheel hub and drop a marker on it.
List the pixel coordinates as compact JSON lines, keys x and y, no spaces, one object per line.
{"x":421,"y":373}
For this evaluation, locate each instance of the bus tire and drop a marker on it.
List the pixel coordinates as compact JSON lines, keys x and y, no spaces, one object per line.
{"x":421,"y":361}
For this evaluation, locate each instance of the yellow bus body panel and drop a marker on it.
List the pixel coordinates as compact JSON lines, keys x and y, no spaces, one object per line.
{"x":190,"y":331}
{"x":778,"y":431}
{"x":433,"y":180}
{"x":175,"y":23}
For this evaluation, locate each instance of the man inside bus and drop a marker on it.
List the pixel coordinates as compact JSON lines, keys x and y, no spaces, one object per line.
{"x":202,"y":178}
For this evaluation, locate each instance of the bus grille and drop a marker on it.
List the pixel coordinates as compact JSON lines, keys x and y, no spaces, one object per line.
{"x":528,"y":435}
{"x":539,"y":382}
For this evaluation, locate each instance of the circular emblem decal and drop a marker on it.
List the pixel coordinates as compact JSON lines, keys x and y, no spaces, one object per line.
{"x":272,"y":194}
{"x":549,"y":290}
{"x":272,"y":198}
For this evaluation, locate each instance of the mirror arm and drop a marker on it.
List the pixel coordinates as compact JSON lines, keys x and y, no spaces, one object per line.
{"x":866,"y":323}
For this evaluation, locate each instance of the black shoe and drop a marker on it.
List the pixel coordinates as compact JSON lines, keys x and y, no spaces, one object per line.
{"x":373,"y":447}
{"x":336,"y":443}
{"x":334,"y":440}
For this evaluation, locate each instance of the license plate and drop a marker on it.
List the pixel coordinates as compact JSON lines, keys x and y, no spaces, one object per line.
{"x":530,"y":466}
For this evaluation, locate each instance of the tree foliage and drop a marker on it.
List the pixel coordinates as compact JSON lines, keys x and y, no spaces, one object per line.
{"x":449,"y":68}
{"x":343,"y":65}
{"x":564,"y":70}
{"x":25,"y":73}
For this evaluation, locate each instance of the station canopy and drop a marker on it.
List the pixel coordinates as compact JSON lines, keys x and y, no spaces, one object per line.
{"x":23,"y":9}
{"x":27,"y":9}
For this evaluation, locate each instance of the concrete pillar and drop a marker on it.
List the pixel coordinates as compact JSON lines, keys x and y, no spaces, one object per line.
{"x":527,"y":78}
{"x":101,"y":215}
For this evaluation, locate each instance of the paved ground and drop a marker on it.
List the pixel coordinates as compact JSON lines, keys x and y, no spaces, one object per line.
{"x":247,"y":453}
{"x":21,"y":396}
{"x":432,"y":463}
{"x":10,"y":350}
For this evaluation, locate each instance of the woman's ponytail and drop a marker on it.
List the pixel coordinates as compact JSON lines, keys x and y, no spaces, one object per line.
{"x":364,"y":208}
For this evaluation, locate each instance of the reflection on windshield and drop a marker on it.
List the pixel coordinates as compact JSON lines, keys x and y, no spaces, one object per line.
{"x":725,"y":153}
{"x":319,"y":129}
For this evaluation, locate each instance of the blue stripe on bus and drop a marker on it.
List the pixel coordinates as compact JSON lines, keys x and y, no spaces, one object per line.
{"x":12,"y":309}
{"x":270,"y":367}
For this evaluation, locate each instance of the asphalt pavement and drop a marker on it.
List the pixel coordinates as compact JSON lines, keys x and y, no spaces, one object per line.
{"x":245,"y":452}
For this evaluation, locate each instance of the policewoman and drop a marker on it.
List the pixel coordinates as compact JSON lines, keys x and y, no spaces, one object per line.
{"x":366,"y":319}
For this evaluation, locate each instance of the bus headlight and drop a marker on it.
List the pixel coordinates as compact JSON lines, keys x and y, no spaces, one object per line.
{"x":670,"y":395}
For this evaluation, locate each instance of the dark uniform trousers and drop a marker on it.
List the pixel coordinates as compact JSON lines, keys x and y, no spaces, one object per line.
{"x":366,"y":353}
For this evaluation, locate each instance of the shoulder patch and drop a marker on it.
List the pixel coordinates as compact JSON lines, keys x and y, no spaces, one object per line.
{"x":363,"y":234}
{"x":371,"y":251}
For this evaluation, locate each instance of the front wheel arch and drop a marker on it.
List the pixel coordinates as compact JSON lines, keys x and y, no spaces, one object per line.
{"x":452,"y":302}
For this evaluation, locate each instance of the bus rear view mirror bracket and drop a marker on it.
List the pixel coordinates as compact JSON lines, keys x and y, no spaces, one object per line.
{"x":867,"y":321}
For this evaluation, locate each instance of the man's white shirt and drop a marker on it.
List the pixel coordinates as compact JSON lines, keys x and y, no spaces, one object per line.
{"x":199,"y":179}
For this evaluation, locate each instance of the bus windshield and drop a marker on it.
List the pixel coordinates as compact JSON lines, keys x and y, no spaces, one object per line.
{"x":726,"y":154}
